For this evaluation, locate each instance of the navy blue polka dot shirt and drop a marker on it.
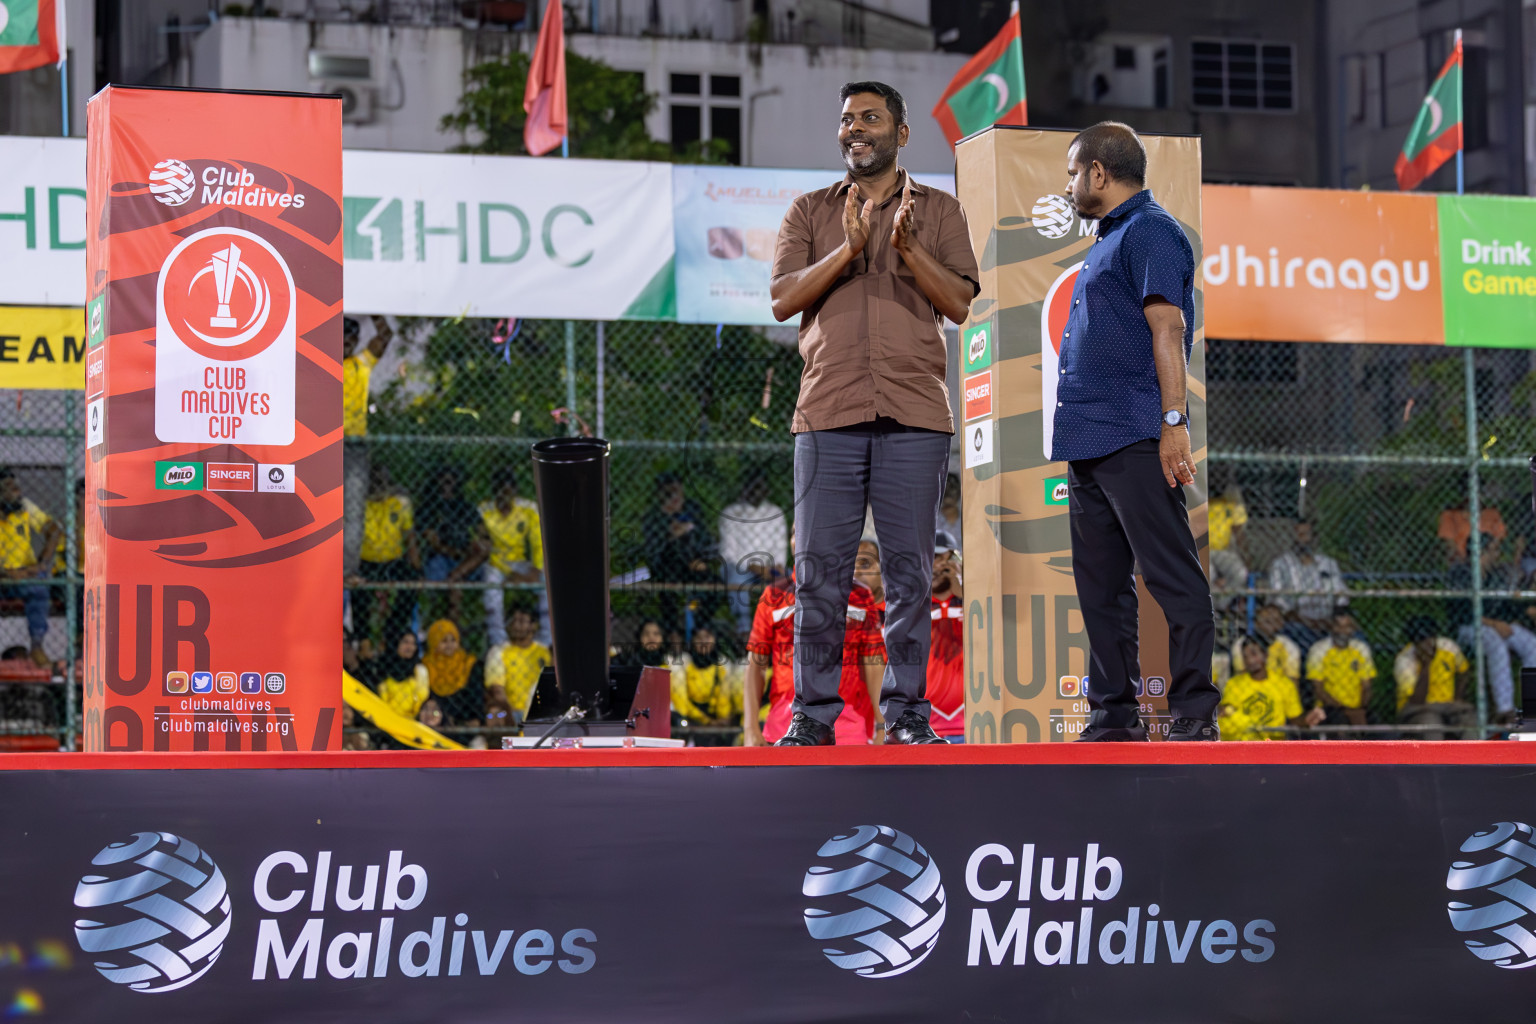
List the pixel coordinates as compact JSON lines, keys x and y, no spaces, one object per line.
{"x":1107,"y":394}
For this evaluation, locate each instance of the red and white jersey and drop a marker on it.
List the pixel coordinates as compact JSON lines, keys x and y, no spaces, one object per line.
{"x":946,"y":667}
{"x":773,"y":636}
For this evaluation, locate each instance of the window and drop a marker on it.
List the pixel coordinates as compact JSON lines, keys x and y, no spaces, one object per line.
{"x":704,"y":108}
{"x":1243,"y":75}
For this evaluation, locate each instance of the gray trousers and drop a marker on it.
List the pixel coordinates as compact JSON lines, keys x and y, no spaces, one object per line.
{"x":900,"y":476}
{"x":354,"y":482}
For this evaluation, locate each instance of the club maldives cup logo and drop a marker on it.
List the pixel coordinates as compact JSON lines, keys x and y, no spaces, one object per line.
{"x":1495,"y":885}
{"x":1053,"y":324}
{"x":157,"y":912}
{"x":878,"y":901}
{"x":225,"y":342}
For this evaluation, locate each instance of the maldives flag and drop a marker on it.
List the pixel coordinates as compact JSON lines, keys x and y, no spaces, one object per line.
{"x":31,"y":34}
{"x":989,"y":89}
{"x":1436,"y":133}
{"x":544,"y":97}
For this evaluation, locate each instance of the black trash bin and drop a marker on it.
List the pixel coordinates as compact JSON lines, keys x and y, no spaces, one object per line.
{"x":571,"y":477}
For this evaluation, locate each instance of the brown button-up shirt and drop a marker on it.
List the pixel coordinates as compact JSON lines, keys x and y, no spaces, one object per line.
{"x":873,"y":344}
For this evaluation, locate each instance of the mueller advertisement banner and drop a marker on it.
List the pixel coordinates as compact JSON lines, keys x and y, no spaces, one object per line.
{"x":1026,"y":653}
{"x":773,"y":894}
{"x":726,"y":221}
{"x":1299,"y":264}
{"x":213,"y":478}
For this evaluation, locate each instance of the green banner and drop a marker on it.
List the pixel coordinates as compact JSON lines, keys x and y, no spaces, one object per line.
{"x":1487,"y":274}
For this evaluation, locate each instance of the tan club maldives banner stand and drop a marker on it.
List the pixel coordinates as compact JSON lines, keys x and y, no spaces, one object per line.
{"x":213,"y":419}
{"x":1026,"y":653}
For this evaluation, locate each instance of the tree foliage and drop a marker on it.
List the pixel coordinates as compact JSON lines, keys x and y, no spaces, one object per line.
{"x":607,"y":110}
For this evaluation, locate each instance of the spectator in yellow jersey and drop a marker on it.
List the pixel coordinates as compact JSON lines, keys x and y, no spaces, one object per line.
{"x":516,"y":664}
{"x":356,"y":373}
{"x":1256,"y":699}
{"x":389,"y":555}
{"x":701,"y":692}
{"x":403,"y":682}
{"x":1228,"y":520}
{"x":509,"y":544}
{"x":1340,"y":670}
{"x":1432,"y":676}
{"x":26,"y":531}
{"x":1283,"y":656}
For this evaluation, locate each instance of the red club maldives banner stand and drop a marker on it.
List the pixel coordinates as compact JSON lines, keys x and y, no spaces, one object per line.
{"x":213,"y":420}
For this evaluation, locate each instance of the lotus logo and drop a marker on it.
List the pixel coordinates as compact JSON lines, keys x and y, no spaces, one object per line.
{"x":1494,"y":883}
{"x":181,"y":474}
{"x":878,"y":901}
{"x":171,"y":182}
{"x":276,"y":475}
{"x":978,"y":345}
{"x":158,"y":912}
{"x":1052,"y":216}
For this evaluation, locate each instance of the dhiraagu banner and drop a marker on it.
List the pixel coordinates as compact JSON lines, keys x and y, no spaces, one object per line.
{"x":1487,"y":270}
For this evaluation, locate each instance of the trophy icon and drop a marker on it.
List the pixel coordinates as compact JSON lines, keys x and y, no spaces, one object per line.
{"x":226,"y":267}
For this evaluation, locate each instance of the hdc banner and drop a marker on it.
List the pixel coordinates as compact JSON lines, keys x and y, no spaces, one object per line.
{"x":213,"y":483}
{"x":1026,"y":655}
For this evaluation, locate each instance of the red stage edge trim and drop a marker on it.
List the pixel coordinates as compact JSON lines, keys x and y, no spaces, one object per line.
{"x":1191,"y":754}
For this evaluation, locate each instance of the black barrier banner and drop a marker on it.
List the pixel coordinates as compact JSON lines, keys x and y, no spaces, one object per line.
{"x":879,"y":893}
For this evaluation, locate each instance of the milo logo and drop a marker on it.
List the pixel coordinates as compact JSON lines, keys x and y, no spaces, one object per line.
{"x":178,"y":476}
{"x":978,"y":347}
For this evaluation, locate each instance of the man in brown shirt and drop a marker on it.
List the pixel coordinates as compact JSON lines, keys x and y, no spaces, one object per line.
{"x":873,"y":264}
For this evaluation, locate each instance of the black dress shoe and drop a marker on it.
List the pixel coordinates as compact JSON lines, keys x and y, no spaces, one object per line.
{"x":912,"y":727}
{"x":805,"y":731}
{"x":1112,"y":734}
{"x":1194,"y":729}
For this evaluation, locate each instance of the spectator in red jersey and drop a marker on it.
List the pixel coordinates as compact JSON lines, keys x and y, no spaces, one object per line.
{"x":946,"y":661}
{"x":772,"y":643}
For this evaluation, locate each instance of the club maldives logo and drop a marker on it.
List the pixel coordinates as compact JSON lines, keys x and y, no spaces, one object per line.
{"x":1052,"y":216}
{"x":157,"y":912}
{"x":171,"y":182}
{"x":878,"y":901}
{"x":1494,"y":894}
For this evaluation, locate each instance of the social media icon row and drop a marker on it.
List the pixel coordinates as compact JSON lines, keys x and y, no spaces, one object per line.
{"x":225,"y":682}
{"x":1073,"y":686}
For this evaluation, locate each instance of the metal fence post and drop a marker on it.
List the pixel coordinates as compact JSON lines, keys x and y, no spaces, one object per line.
{"x":570,"y":377}
{"x":602,"y":358}
{"x":1475,"y":540}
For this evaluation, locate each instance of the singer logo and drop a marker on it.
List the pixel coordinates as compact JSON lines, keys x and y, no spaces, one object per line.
{"x":231,"y":476}
{"x":978,"y":395}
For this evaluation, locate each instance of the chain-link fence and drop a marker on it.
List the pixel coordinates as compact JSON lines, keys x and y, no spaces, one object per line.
{"x":1369,"y":447}
{"x":1359,"y":470}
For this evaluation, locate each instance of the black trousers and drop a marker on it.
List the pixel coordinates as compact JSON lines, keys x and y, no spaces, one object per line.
{"x":1124,"y":514}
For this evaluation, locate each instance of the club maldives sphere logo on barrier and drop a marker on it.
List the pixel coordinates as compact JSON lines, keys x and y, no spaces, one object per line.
{"x":1053,"y":216}
{"x":157,"y":912}
{"x":1496,"y":889}
{"x":878,"y":901}
{"x":171,"y":182}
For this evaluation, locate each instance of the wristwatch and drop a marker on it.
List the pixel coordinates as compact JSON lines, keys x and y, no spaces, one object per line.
{"x":1174,"y":418}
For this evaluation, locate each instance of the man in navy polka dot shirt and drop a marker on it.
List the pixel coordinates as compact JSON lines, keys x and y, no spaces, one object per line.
{"x":1121,"y":425}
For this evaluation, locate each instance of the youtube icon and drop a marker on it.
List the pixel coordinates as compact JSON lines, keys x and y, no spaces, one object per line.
{"x":230,"y":476}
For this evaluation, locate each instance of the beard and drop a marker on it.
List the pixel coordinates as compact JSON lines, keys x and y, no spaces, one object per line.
{"x":876,"y":160}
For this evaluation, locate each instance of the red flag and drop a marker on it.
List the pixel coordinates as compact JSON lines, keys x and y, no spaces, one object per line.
{"x":31,"y":34}
{"x":544,"y":98}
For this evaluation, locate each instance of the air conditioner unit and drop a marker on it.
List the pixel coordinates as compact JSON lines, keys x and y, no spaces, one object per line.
{"x":1122,"y":70}
{"x":359,"y":100}
{"x":328,"y":64}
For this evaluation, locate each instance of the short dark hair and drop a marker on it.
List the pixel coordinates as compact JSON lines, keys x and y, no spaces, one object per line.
{"x":350,"y":327}
{"x":1251,"y":640}
{"x":1116,"y":147}
{"x":893,"y":101}
{"x":505,"y":476}
{"x":1422,"y":627}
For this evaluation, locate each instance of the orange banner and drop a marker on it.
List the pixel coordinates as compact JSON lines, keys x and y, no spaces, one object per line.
{"x":1299,"y":264}
{"x":213,"y":421}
